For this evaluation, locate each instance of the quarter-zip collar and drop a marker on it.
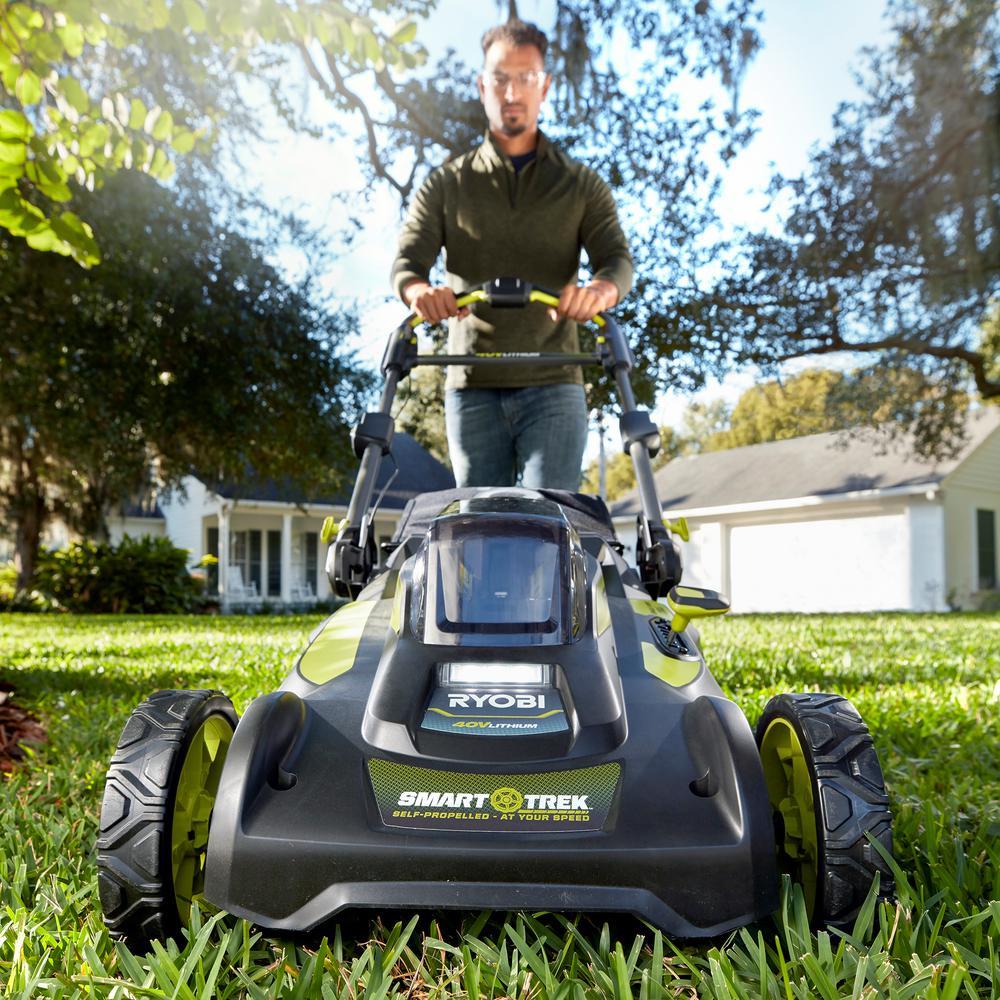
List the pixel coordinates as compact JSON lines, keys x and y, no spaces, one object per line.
{"x":494,"y":156}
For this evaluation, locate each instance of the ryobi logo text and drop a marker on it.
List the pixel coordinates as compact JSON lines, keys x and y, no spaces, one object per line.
{"x":496,"y":700}
{"x":502,"y":800}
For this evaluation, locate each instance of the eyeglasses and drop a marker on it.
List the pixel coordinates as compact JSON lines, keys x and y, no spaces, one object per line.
{"x":531,"y":79}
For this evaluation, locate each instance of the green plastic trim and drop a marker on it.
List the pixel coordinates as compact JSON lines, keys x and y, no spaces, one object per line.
{"x":790,"y":790}
{"x":602,"y":612}
{"x":196,"y":789}
{"x":679,"y":528}
{"x":693,"y":602}
{"x":477,"y":295}
{"x":553,"y":300}
{"x":649,"y":607}
{"x":396,"y":618}
{"x":332,"y":652}
{"x":676,"y":673}
{"x":480,"y":295}
{"x":472,"y":715}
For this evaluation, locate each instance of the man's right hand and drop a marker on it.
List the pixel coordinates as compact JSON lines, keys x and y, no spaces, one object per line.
{"x":433,"y":303}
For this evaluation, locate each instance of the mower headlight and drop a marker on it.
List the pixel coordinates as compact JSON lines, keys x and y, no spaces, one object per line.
{"x":495,"y":674}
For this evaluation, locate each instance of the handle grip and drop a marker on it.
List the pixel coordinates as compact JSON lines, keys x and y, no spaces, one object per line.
{"x":504,"y":293}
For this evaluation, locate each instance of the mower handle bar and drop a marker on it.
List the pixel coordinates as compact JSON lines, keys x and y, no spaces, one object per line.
{"x":507,"y":293}
{"x":401,"y":356}
{"x":504,"y":293}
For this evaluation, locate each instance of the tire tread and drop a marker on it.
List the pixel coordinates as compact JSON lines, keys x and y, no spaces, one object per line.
{"x":134,"y":877}
{"x":847,"y":774}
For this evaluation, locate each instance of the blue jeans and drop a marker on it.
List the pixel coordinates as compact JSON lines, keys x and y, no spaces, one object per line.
{"x":532,"y":437}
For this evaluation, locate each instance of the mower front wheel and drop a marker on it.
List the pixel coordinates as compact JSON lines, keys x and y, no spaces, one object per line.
{"x":828,"y":798}
{"x":155,"y":815}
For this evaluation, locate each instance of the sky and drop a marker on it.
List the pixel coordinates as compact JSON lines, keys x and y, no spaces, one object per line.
{"x":805,"y":69}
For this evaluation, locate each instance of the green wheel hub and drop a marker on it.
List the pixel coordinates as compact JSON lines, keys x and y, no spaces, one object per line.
{"x":196,"y":789}
{"x":790,"y":790}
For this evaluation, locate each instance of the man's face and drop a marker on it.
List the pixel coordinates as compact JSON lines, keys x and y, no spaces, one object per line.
{"x":512,"y":86}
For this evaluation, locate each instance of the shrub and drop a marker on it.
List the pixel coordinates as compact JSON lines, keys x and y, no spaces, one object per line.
{"x":987,"y":600}
{"x":139,"y":576}
{"x":12,"y":599}
{"x":8,"y":581}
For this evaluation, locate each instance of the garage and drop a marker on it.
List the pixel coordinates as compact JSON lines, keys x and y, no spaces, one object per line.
{"x":834,"y":564}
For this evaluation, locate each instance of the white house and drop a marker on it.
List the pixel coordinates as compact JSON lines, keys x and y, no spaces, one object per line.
{"x":829,"y":523}
{"x":266,"y":535}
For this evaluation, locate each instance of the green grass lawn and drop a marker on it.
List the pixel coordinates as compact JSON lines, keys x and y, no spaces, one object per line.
{"x":928,"y":687}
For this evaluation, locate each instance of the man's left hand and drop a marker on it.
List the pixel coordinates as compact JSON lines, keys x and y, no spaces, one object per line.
{"x":584,"y":302}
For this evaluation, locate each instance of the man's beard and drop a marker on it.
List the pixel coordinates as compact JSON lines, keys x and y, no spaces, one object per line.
{"x":513,"y":129}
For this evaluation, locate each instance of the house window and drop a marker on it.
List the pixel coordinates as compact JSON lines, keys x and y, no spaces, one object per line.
{"x":212,"y":572}
{"x":274,"y":563}
{"x":986,"y":548}
{"x":312,"y":550}
{"x":246,"y":553}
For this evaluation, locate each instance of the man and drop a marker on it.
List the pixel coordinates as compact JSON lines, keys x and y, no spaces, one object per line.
{"x":516,"y":206}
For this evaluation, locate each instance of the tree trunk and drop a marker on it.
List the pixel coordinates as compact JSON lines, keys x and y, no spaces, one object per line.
{"x":28,"y":509}
{"x":30,"y":519}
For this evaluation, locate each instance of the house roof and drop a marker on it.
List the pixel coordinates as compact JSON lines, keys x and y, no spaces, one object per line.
{"x":143,"y":510}
{"x":819,"y":465}
{"x":419,"y":471}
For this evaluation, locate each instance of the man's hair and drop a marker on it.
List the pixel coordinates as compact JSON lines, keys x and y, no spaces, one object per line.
{"x":517,"y":32}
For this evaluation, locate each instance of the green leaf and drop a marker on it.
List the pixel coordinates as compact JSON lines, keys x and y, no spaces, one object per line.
{"x":373,"y":52}
{"x":121,"y":153}
{"x":141,"y":154}
{"x":195,"y":16}
{"x":28,"y":88}
{"x":232,"y":23}
{"x":9,"y":70}
{"x":75,"y":94}
{"x":137,"y":117}
{"x":71,"y":36}
{"x":164,"y":127}
{"x":70,"y":228}
{"x":159,"y":164}
{"x":117,"y":37}
{"x":54,"y":190}
{"x":184,"y":140}
{"x":10,"y":174}
{"x":43,"y":238}
{"x":15,"y":152}
{"x":93,"y":138}
{"x":159,"y":13}
{"x":13,"y":125}
{"x":24,"y":20}
{"x":406,"y":32}
{"x":47,"y":48}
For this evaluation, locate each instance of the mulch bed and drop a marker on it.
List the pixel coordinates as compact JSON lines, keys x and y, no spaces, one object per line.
{"x":17,"y":727}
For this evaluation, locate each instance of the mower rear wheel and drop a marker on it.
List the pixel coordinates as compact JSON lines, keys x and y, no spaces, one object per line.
{"x":155,"y":815}
{"x":828,"y":796}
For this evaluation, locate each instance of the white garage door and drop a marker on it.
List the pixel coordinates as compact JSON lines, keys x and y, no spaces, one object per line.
{"x":840,"y":564}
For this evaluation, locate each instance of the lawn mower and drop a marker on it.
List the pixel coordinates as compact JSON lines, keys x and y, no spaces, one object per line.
{"x":504,"y":716}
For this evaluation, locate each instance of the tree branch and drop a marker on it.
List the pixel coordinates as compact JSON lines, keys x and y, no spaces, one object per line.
{"x":988,"y":388}
{"x":385,"y":81}
{"x":341,"y":89}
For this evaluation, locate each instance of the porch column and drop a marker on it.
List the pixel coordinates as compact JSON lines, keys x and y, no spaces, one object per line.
{"x":286,"y":558}
{"x":224,"y":555}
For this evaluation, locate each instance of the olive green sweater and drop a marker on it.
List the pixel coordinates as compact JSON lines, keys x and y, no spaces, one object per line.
{"x":493,"y":221}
